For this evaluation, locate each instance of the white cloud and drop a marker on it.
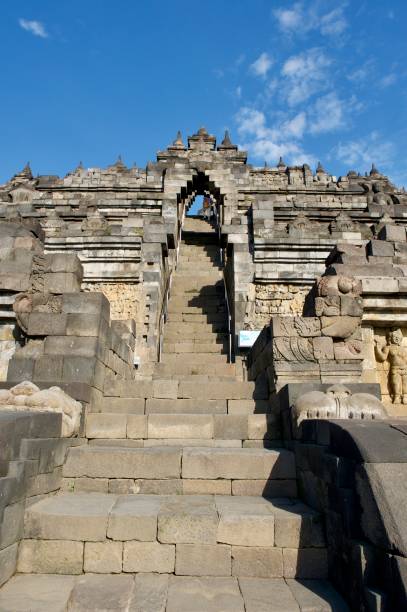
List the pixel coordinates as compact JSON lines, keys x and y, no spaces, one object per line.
{"x":303,"y":17}
{"x":269,"y":144}
{"x":238,"y":92}
{"x":262,"y":65}
{"x":328,"y":114}
{"x":365,"y":151}
{"x":295,"y":127}
{"x":289,"y":19}
{"x":305,"y":75}
{"x":35,"y":27}
{"x":388,"y":80}
{"x":333,"y":23}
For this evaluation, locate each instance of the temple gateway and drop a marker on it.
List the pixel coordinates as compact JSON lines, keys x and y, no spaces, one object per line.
{"x":203,"y":412}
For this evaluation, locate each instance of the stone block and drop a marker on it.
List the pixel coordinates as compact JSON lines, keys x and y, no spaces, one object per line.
{"x":84,"y":325}
{"x":351,"y":306}
{"x":394,"y":233}
{"x":97,"y":593}
{"x":309,"y":563}
{"x":136,"y":426}
{"x":148,"y":557}
{"x":377,"y":285}
{"x":134,"y":518}
{"x":48,"y":368}
{"x":188,"y":520}
{"x":79,"y":369}
{"x":36,"y":593}
{"x":20,"y":369}
{"x":230,"y":427}
{"x":61,"y":282}
{"x":46,"y":324}
{"x":248,"y":406}
{"x":206,"y":487}
{"x":246,"y":528}
{"x":126,"y":405}
{"x":297,"y":526}
{"x":50,"y":557}
{"x":237,"y":464}
{"x":204,"y":595}
{"x":150,"y":593}
{"x":263,"y":427}
{"x":103,"y":425}
{"x":91,"y":303}
{"x":69,"y":517}
{"x":165,"y":389}
{"x":268,"y":595}
{"x":85,"y":485}
{"x":323,"y":348}
{"x":103,"y":557}
{"x":203,"y":560}
{"x":316,"y":595}
{"x":257,"y":562}
{"x":180,"y":426}
{"x":8,"y":562}
{"x":380,"y":248}
{"x":12,"y":525}
{"x":72,"y":345}
{"x":101,"y":462}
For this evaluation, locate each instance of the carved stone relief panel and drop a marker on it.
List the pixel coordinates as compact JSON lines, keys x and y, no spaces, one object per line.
{"x":390,"y":348}
{"x":8,"y":347}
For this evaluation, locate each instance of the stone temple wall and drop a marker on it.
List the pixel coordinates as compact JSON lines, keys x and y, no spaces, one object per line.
{"x":278,"y":225}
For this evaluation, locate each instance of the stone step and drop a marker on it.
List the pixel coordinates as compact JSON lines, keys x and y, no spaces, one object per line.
{"x":248,"y":471}
{"x":209,"y":309}
{"x":153,"y":592}
{"x":217,"y":535}
{"x":182,"y":327}
{"x":199,"y":427}
{"x":209,"y":358}
{"x":192,"y":266}
{"x":197,"y":318}
{"x":197,"y":300}
{"x":225,"y":390}
{"x":182,"y":369}
{"x":196,"y":337}
{"x":184,"y":289}
{"x":185,"y":406}
{"x":194,"y":347}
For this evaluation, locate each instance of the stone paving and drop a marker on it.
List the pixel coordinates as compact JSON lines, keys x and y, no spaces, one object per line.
{"x":150,"y":592}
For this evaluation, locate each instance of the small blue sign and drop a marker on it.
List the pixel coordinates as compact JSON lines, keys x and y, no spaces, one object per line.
{"x":248,"y":337}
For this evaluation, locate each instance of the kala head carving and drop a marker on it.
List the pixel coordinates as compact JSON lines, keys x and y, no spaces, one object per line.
{"x":337,"y":402}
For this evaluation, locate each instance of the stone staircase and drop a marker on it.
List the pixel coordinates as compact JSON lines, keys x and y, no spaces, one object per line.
{"x":184,"y":499}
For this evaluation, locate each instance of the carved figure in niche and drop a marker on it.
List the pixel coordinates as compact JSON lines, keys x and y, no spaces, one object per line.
{"x":396,"y":355}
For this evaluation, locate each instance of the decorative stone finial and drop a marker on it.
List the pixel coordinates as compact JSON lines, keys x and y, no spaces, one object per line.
{"x":320,"y":169}
{"x":178,"y":144}
{"x":226,"y":142}
{"x":202,"y":131}
{"x":281,"y":163}
{"x":374,"y":171}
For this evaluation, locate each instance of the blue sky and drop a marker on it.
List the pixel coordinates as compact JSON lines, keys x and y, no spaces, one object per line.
{"x":316,"y":80}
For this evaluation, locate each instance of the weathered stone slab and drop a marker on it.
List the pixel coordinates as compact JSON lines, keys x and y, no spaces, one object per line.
{"x":257,"y":562}
{"x":316,"y":595}
{"x":96,"y":593}
{"x":80,"y":517}
{"x":305,"y":563}
{"x":100,"y":462}
{"x":204,"y":594}
{"x":267,"y":595}
{"x":134,"y":517}
{"x":180,"y":426}
{"x":150,"y":593}
{"x":188,"y":520}
{"x":103,"y":557}
{"x":50,"y":557}
{"x":240,"y":464}
{"x":148,"y":557}
{"x":36,"y":593}
{"x":203,"y":560}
